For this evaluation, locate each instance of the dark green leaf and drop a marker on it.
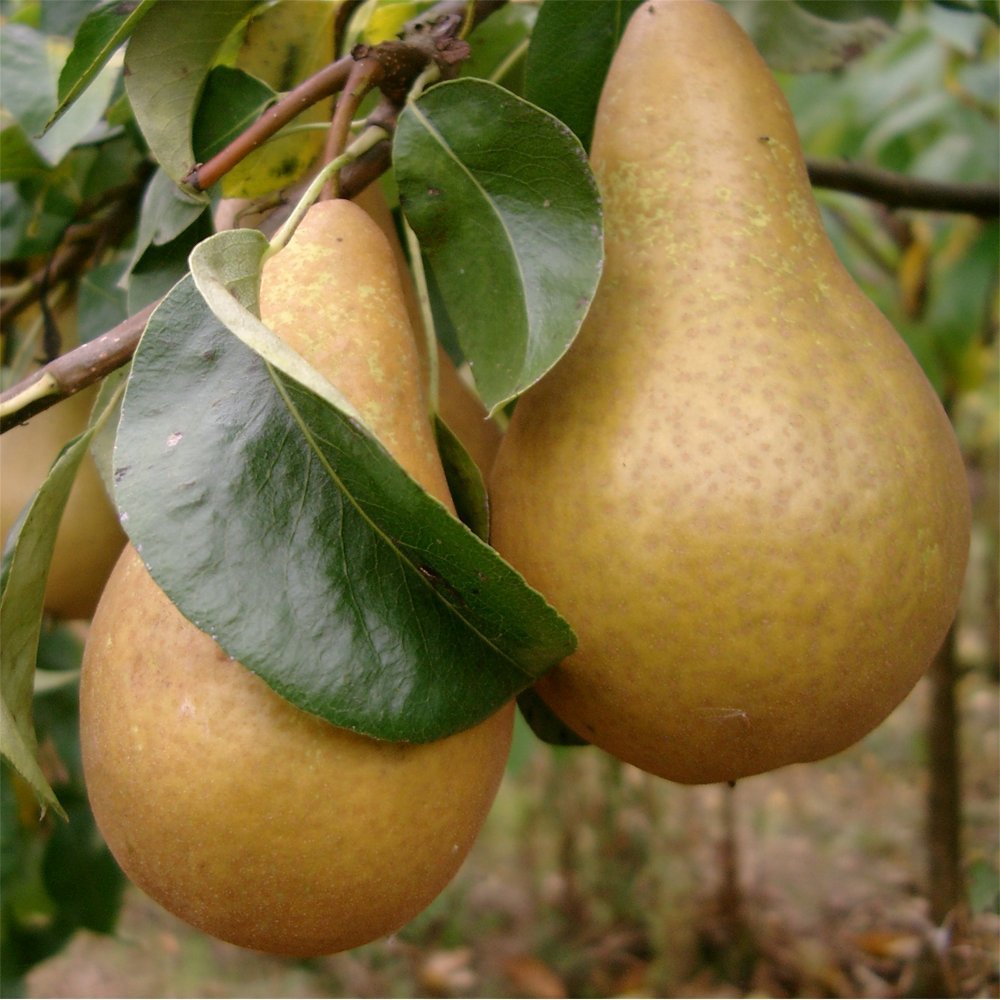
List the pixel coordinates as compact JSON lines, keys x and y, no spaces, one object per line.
{"x":163,"y":265}
{"x":165,"y":213}
{"x":232,"y":101}
{"x":33,"y":219}
{"x":570,"y":52}
{"x":544,"y":723}
{"x":83,"y":122}
{"x":499,"y":45}
{"x":853,"y":10}
{"x":166,"y":63}
{"x":465,"y":482}
{"x":988,"y":8}
{"x":100,"y":35}
{"x":18,"y":158}
{"x":507,"y":213}
{"x":64,"y":18}
{"x":279,"y":525}
{"x":56,"y":877}
{"x":101,"y":302}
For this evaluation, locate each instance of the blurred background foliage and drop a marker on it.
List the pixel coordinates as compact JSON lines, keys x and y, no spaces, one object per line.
{"x":590,"y":879}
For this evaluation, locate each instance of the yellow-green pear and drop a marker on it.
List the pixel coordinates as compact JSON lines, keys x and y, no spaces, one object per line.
{"x":738,"y":486}
{"x":247,"y":817}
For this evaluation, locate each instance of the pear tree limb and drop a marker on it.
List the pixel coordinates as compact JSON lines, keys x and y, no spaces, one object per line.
{"x":900,"y":191}
{"x":320,"y":85}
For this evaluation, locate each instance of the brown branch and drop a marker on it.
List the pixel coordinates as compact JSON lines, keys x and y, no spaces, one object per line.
{"x":899,"y":191}
{"x":73,"y":371}
{"x":320,"y":85}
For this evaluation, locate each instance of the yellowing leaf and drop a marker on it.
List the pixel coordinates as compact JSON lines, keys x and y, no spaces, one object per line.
{"x":387,"y":20}
{"x":282,"y":46}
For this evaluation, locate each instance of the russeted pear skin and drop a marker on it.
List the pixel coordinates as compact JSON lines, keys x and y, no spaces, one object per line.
{"x":738,"y":485}
{"x":254,"y":821}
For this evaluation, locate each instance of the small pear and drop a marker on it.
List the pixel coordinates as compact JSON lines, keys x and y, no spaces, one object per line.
{"x":89,"y":539}
{"x":738,"y":485}
{"x":250,"y":819}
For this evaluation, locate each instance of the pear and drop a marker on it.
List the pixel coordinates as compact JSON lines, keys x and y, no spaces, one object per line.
{"x":89,"y":539}
{"x":737,"y":485}
{"x":254,"y":821}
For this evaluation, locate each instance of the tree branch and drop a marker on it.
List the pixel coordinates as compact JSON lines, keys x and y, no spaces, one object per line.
{"x":73,"y":371}
{"x":320,"y":85}
{"x":899,"y":191}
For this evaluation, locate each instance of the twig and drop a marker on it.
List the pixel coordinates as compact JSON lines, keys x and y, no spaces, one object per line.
{"x":899,"y":191}
{"x":431,"y":38}
{"x":365,"y":73}
{"x":73,"y":371}
{"x":320,"y":85}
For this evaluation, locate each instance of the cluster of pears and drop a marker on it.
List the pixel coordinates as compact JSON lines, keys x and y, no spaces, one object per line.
{"x":738,"y":485}
{"x":245,"y":816}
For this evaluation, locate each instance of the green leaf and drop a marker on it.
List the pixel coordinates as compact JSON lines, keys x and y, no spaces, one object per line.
{"x":232,"y":101}
{"x":544,"y":723}
{"x":570,"y":52}
{"x":26,"y":84}
{"x":56,"y":877}
{"x":499,"y":45}
{"x":793,"y":40}
{"x":853,"y":10}
{"x":508,"y":216}
{"x":101,"y":302}
{"x":280,"y":526}
{"x":26,"y":559}
{"x":83,"y":120}
{"x":465,"y":481}
{"x":97,"y":39}
{"x":162,"y":265}
{"x":166,"y":62}
{"x":19,"y":160}
{"x":166,"y":212}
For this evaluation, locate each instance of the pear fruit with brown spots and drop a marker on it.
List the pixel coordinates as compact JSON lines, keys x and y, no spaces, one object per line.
{"x":738,"y":485}
{"x":254,"y":821}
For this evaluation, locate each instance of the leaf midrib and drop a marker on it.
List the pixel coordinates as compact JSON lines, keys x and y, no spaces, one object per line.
{"x":376,"y":529}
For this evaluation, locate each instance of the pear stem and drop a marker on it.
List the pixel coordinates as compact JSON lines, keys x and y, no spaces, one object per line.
{"x":423,"y":297}
{"x":371,"y":136}
{"x":364,"y":74}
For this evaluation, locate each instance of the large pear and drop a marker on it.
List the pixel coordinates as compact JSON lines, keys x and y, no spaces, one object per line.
{"x":250,"y":819}
{"x":738,"y":485}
